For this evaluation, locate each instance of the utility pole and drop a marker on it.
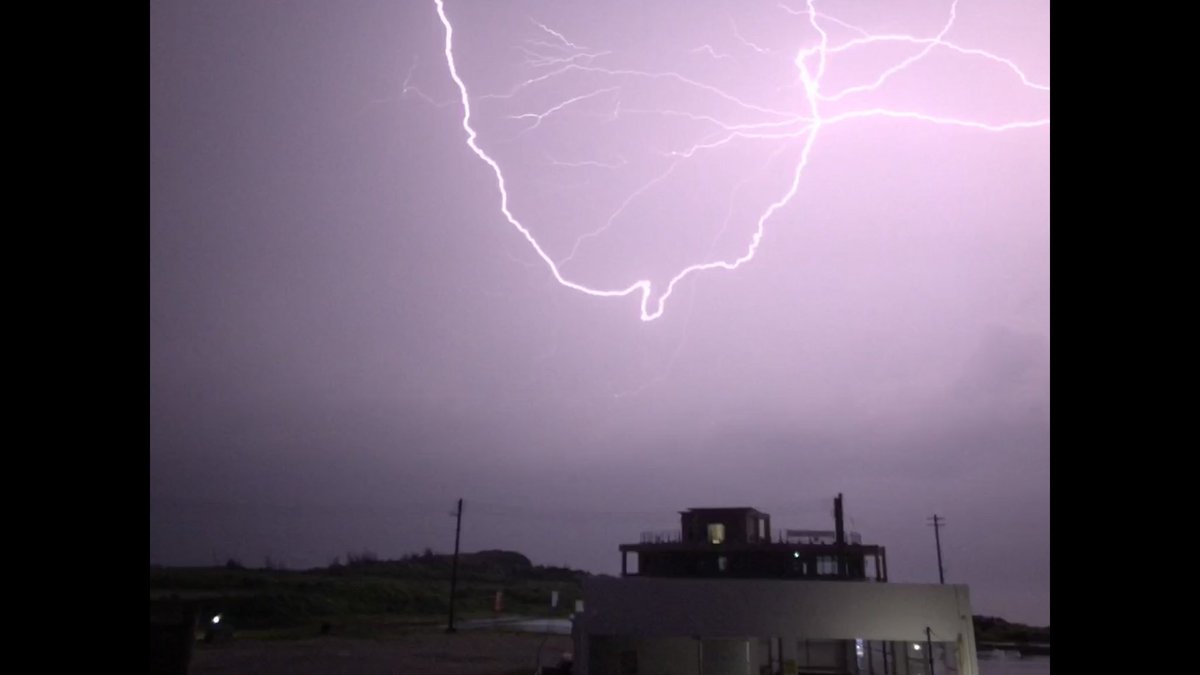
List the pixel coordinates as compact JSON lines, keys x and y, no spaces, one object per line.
{"x":840,"y":536}
{"x":937,"y":522}
{"x":454,"y":566}
{"x":929,"y":647}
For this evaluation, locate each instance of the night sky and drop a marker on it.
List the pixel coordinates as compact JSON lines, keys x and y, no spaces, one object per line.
{"x":348,"y":333}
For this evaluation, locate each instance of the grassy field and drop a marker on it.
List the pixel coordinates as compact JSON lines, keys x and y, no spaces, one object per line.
{"x":425,"y":651}
{"x":363,"y":616}
{"x":414,"y":591}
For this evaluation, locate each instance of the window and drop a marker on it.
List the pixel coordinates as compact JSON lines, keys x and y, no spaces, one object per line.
{"x":822,"y":654}
{"x":762,"y":528}
{"x":716,"y":533}
{"x":722,"y":564}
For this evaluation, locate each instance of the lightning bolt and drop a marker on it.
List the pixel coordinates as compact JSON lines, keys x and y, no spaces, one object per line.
{"x":801,"y":125}
{"x":708,"y":49}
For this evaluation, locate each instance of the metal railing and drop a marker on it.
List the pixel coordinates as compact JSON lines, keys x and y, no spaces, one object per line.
{"x":662,"y":537}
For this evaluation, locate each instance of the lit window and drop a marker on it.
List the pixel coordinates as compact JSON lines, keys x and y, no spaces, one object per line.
{"x":716,"y":533}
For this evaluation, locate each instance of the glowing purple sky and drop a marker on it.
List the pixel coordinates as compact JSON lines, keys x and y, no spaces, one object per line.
{"x":347,"y":332}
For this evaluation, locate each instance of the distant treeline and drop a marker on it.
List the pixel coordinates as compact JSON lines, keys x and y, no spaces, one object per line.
{"x":993,"y":629}
{"x":492,"y":565}
{"x":481,"y":566}
{"x":361,"y":584}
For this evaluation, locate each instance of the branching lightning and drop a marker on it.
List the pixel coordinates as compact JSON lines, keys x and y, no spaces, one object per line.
{"x":800,"y":126}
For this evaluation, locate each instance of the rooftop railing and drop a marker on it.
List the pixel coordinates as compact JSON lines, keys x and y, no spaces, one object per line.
{"x":662,"y":537}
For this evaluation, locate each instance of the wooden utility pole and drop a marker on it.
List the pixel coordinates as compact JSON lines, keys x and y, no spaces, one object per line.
{"x":454,"y":566}
{"x":929,"y":647}
{"x":937,"y":522}
{"x":840,"y":536}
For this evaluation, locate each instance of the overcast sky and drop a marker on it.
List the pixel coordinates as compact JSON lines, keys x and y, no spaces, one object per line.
{"x":348,"y":333}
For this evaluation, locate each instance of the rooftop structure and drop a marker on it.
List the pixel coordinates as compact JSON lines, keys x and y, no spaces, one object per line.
{"x":738,"y":542}
{"x":725,"y":594}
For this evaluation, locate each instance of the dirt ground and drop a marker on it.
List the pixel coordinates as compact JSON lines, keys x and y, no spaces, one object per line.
{"x":421,"y":653}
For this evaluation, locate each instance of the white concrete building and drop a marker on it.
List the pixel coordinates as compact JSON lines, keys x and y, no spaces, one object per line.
{"x":728,"y":600}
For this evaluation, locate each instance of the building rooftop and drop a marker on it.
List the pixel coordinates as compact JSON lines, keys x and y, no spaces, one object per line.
{"x":738,"y":541}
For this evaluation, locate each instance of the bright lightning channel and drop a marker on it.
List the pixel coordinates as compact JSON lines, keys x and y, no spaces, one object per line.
{"x":787,"y":126}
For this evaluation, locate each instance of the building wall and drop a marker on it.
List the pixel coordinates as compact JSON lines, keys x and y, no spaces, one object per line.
{"x":748,"y":609}
{"x":727,"y":657}
{"x":753,"y":563}
{"x":611,"y":655}
{"x":662,"y":656}
{"x":740,"y":525}
{"x":622,"y":655}
{"x":740,"y":607}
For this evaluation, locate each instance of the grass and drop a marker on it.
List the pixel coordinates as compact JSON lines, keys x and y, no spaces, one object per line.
{"x":368,"y":599}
